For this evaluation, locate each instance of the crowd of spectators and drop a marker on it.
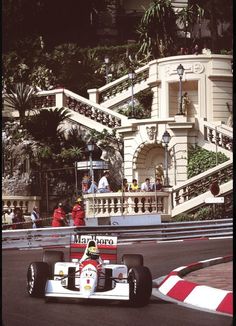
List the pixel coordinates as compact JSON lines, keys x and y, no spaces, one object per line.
{"x":60,"y":215}
{"x":195,"y":50}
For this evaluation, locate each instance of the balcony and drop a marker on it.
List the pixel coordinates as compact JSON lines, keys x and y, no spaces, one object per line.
{"x":106,"y":205}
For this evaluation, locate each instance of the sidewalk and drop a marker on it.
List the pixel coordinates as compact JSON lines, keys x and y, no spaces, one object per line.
{"x":218,"y":276}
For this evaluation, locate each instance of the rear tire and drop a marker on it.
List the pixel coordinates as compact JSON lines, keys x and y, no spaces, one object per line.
{"x":37,"y":276}
{"x":140,"y":283}
{"x":132,"y":260}
{"x":51,"y":257}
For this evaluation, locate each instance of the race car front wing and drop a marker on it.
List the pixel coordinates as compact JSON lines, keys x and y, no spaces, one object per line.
{"x":56,"y":290}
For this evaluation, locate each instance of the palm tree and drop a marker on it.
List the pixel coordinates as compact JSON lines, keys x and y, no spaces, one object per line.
{"x":19,"y":97}
{"x":157,"y":30}
{"x":45,"y":125}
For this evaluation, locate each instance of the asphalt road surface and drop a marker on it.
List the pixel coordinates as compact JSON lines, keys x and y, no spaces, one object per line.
{"x":18,"y":309}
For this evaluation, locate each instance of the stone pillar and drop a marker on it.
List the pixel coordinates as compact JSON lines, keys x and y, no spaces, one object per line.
{"x":93,"y":95}
{"x":60,"y":99}
{"x":179,"y":148}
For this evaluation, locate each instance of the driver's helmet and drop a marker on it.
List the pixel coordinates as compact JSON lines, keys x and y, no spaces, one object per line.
{"x":93,"y":252}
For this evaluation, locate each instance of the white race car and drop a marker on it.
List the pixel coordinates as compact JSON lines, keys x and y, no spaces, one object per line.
{"x":90,"y":274}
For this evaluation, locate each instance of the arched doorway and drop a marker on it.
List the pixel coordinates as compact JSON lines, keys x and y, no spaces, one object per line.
{"x":146,"y":158}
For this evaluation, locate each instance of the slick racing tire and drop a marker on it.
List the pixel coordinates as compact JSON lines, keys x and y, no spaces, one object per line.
{"x":51,"y":257}
{"x":132,"y":260}
{"x":37,"y":276}
{"x":140,"y":286}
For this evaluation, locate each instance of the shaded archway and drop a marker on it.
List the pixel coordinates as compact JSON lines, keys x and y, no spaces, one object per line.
{"x":146,"y":157}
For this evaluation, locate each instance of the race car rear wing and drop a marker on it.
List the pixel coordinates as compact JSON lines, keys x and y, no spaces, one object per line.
{"x":107,"y":246}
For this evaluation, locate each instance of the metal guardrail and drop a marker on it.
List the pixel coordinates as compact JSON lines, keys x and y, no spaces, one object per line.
{"x":55,"y":237}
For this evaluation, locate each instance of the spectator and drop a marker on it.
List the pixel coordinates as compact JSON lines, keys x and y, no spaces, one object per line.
{"x":59,"y":216}
{"x":196,"y":49}
{"x":181,"y":51}
{"x":78,"y":213}
{"x":93,"y":188}
{"x":206,"y":50}
{"x":186,"y":51}
{"x":11,"y":214}
{"x":157,"y":186}
{"x":86,"y":182}
{"x":103,"y":184}
{"x":18,"y":219}
{"x":146,"y":186}
{"x":125,"y":186}
{"x":35,"y":218}
{"x":134,"y":186}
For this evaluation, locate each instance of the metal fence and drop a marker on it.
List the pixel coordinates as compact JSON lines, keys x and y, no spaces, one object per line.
{"x":56,"y":237}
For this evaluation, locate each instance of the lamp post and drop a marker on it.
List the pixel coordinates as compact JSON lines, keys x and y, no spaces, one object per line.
{"x":90,"y":147}
{"x":131,"y":76}
{"x":107,"y":60}
{"x":180,"y":72}
{"x":165,"y":140}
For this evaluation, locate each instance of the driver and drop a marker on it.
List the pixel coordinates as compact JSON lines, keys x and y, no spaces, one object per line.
{"x":91,"y":253}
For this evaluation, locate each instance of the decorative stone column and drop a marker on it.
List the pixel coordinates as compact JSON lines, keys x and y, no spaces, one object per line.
{"x":179,"y":147}
{"x":93,"y":95}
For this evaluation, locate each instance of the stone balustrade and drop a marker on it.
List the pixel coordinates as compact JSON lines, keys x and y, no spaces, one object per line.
{"x":219,"y":135}
{"x":118,"y":204}
{"x":26,"y":203}
{"x":200,"y":184}
{"x":119,"y":86}
{"x":65,"y":98}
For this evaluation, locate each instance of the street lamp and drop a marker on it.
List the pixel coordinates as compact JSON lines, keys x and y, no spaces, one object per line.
{"x":90,"y":147}
{"x":165,"y":140}
{"x":180,"y":72}
{"x":107,"y":60}
{"x":131,"y":76}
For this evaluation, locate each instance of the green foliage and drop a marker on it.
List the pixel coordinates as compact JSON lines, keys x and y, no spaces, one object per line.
{"x":45,"y":125}
{"x":142,"y":105}
{"x":157,"y":30}
{"x":203,"y":213}
{"x":19,"y":97}
{"x":200,"y":160}
{"x":69,"y":155}
{"x":145,"y":100}
{"x":184,"y":217}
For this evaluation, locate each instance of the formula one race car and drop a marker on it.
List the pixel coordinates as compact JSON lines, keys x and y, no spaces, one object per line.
{"x":90,"y":273}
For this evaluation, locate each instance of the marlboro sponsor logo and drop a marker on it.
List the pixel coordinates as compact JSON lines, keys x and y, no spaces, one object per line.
{"x":100,"y":240}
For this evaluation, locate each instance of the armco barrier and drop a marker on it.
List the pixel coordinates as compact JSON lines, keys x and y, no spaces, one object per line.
{"x":46,"y":237}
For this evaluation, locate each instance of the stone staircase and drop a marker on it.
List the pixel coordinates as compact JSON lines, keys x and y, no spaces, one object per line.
{"x":186,"y":196}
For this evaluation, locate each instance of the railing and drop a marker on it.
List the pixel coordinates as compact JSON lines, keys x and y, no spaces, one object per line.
{"x":65,"y":98}
{"x":200,"y":184}
{"x":221,"y":135}
{"x":54,"y":237}
{"x":122,"y":84}
{"x":26,"y":203}
{"x":118,"y":203}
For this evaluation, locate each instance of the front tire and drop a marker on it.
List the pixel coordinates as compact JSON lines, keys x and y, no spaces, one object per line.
{"x":37,"y":276}
{"x":140,"y":286}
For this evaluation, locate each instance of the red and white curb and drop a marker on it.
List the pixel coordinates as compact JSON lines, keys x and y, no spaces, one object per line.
{"x":201,"y":296}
